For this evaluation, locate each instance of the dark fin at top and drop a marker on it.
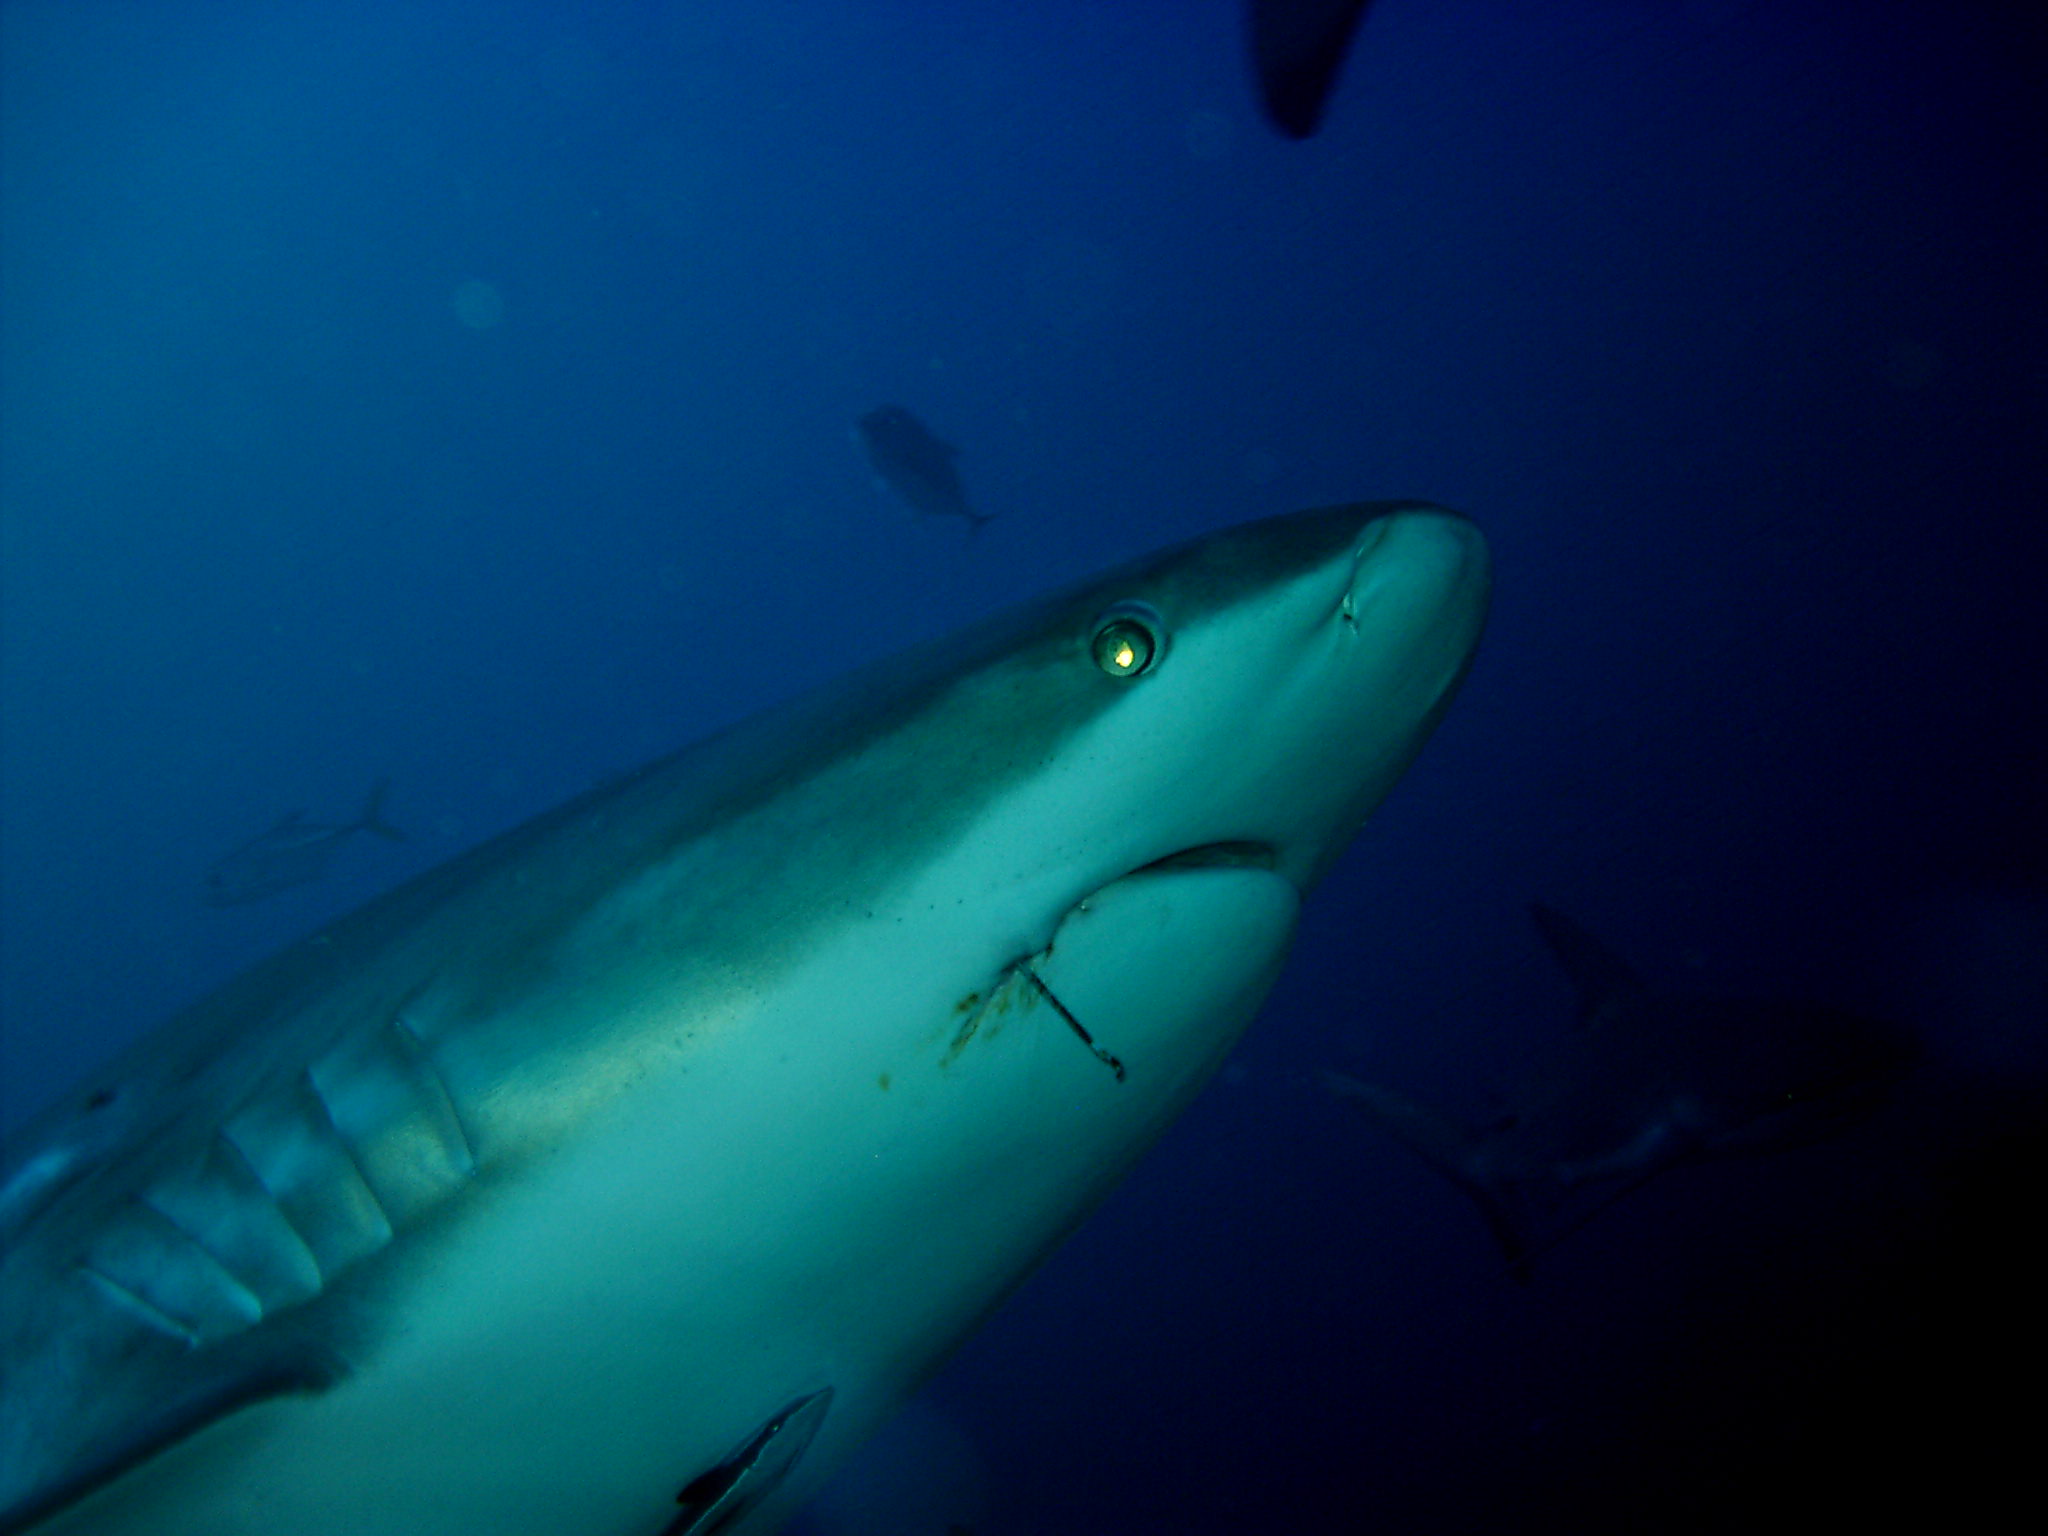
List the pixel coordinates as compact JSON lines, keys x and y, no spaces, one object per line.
{"x":373,"y":814}
{"x":1600,"y":976}
{"x":227,"y":1393}
{"x":1297,"y":47}
{"x":715,"y":1499}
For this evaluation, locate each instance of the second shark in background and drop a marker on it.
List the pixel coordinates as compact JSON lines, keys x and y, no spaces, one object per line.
{"x":294,"y":852}
{"x":1653,"y":1080}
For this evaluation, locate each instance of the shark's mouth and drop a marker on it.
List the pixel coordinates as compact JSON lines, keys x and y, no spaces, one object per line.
{"x":1224,"y":855}
{"x":1203,"y":859}
{"x":1036,"y":975}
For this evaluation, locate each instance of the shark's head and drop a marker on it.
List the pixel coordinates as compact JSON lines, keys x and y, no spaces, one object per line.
{"x":1243,"y":701}
{"x":1104,"y":810}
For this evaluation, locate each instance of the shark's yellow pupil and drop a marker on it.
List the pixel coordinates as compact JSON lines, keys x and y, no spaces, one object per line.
{"x":1124,"y":647}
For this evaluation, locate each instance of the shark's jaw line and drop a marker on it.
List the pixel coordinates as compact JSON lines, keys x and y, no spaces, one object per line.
{"x":634,"y":1167}
{"x":1204,"y":856}
{"x":1225,"y":855}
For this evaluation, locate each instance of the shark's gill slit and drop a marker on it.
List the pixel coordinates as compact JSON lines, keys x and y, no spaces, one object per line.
{"x":1072,"y":1023}
{"x":328,"y":1128}
{"x":461,"y":1142}
{"x":219,"y":1271}
{"x":123,"y":1296}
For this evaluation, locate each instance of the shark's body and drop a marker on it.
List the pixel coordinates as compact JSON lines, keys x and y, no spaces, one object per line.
{"x":1652,"y":1080}
{"x":294,"y":852}
{"x":618,"y":1177}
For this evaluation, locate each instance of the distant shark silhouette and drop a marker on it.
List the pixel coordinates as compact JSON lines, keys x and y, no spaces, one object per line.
{"x":1656,"y":1080}
{"x":1297,"y":49}
{"x":917,"y":464}
{"x":294,"y":852}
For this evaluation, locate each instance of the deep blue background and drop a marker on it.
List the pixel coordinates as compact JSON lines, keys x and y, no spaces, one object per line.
{"x":461,"y":393}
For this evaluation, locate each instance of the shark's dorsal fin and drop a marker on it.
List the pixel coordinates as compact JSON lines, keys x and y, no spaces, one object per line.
{"x":1601,"y":977}
{"x":372,"y":819}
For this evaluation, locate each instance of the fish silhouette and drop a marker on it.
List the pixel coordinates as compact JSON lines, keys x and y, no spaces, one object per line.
{"x":294,"y":852}
{"x":1650,"y":1080}
{"x":1297,"y":49}
{"x":917,"y":464}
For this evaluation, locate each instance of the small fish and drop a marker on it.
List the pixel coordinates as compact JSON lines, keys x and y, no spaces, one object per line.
{"x":294,"y":852}
{"x":917,"y":464}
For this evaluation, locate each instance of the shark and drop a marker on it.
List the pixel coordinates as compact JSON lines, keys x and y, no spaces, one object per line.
{"x":1652,"y":1080}
{"x":292,"y":853}
{"x":621,"y":1175}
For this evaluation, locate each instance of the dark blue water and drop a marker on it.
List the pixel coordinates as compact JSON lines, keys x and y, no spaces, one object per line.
{"x":462,"y":394}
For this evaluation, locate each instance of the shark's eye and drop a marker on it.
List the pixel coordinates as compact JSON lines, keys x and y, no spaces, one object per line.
{"x":1129,"y":640}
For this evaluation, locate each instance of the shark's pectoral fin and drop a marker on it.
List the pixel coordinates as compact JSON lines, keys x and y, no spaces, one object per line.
{"x":1577,"y":1192}
{"x":714,"y":1499}
{"x":226,"y":1394}
{"x":1454,"y":1151}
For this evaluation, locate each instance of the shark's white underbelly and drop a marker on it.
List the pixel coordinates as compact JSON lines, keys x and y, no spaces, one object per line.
{"x":828,"y":1194}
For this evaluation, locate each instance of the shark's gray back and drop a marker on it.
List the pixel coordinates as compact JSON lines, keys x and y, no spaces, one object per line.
{"x":202,"y":1222}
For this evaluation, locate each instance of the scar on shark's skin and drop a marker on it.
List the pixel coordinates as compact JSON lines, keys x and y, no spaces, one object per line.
{"x":1073,"y":1023}
{"x":976,"y":1007}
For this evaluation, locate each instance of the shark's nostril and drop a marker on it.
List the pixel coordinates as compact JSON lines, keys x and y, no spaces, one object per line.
{"x":1370,"y":537}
